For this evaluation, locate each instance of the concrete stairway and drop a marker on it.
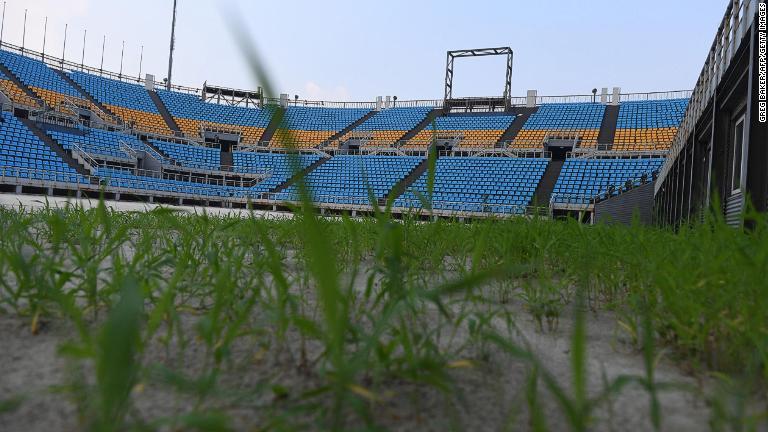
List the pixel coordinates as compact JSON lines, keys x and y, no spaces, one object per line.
{"x":547,"y":184}
{"x":286,"y":184}
{"x":423,"y":124}
{"x":87,"y":96}
{"x":402,"y":186}
{"x":523,"y":113}
{"x":169,"y":120}
{"x":349,"y":128}
{"x":274,"y":123}
{"x":608,"y":126}
{"x":226,"y":160}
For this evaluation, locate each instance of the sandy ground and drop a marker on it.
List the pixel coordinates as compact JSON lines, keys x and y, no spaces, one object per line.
{"x":32,"y":202}
{"x":487,"y":397}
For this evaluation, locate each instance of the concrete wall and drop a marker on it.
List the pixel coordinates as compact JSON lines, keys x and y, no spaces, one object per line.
{"x":621,"y":209}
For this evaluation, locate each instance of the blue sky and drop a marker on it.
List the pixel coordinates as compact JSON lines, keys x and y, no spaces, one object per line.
{"x":356,"y":50}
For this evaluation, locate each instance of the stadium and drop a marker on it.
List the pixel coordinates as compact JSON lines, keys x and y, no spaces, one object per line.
{"x":213,"y":258}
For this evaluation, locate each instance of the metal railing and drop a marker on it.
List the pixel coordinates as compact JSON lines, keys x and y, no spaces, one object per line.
{"x":569,"y":201}
{"x":738,"y":18}
{"x":77,"y":182}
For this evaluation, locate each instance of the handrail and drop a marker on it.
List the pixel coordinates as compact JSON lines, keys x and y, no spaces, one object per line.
{"x":738,"y":18}
{"x":609,"y":191}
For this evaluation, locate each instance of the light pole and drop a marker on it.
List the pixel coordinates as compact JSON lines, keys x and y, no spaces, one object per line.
{"x":173,"y":43}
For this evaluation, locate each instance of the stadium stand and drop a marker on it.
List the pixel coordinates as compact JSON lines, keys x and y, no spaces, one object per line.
{"x":388,"y":126}
{"x":480,"y":130}
{"x":479,"y":184}
{"x":131,"y":102}
{"x":348,"y":179}
{"x":97,"y":142}
{"x":39,"y":78}
{"x":279,"y":163}
{"x":495,"y":184}
{"x":190,"y":155}
{"x":648,"y":125}
{"x":308,"y":127}
{"x":192,"y":114}
{"x":126,"y":178}
{"x":14,"y":93}
{"x":24,"y":155}
{"x":578,"y":121}
{"x":582,"y":179}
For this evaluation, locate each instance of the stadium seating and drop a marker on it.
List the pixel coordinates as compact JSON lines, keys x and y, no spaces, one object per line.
{"x":278,"y":163}
{"x":389,"y":125}
{"x":348,"y":179}
{"x":131,"y":102}
{"x":97,"y":142}
{"x":39,"y":78}
{"x":479,"y":184}
{"x":22,"y":154}
{"x":582,"y":179}
{"x":126,"y":178}
{"x":473,"y":130}
{"x":580,"y":121}
{"x":191,"y":113}
{"x":648,"y":125}
{"x":307,"y":127}
{"x":190,"y":155}
{"x":14,"y":93}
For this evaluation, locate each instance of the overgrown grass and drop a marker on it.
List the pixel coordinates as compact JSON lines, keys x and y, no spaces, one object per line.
{"x":357,"y":307}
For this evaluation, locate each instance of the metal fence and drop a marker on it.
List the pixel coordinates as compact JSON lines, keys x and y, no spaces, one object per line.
{"x":738,"y":18}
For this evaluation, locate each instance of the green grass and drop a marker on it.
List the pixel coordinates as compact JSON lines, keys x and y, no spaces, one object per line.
{"x":357,"y":306}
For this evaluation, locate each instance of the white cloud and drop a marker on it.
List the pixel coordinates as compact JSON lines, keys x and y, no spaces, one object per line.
{"x":315,"y":91}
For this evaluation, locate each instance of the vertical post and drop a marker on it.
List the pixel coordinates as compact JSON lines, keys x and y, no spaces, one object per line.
{"x":122,"y":54}
{"x":141,"y":60}
{"x":45,"y":35}
{"x":103,"y":44}
{"x":82,"y":59}
{"x":2,"y":26}
{"x":24,"y":32}
{"x":64,"y":49}
{"x":173,"y":43}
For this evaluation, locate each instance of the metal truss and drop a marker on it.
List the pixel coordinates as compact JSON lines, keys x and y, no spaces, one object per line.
{"x":481,"y":52}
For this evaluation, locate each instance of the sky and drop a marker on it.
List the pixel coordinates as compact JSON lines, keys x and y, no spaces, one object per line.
{"x":357,"y":50}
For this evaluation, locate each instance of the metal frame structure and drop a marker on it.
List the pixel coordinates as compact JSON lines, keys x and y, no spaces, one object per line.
{"x":480,"y":52}
{"x":232,"y":97}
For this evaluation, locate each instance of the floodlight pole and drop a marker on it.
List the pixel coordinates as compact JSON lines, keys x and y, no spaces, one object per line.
{"x":24,"y":32}
{"x":45,"y":35}
{"x":173,"y":43}
{"x":2,"y":26}
{"x":64,"y":48}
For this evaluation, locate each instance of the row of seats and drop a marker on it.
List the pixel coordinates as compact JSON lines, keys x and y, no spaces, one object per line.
{"x":14,"y":93}
{"x":478,"y":184}
{"x":354,"y":179}
{"x":388,"y":126}
{"x":310,"y":126}
{"x":126,"y":178}
{"x":191,"y":156}
{"x":192,"y":113}
{"x":582,"y":179}
{"x":23,"y":154}
{"x":577,"y":121}
{"x":282,"y":166}
{"x":472,"y":130}
{"x":130,"y":102}
{"x":98,"y":142}
{"x":648,"y":125}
